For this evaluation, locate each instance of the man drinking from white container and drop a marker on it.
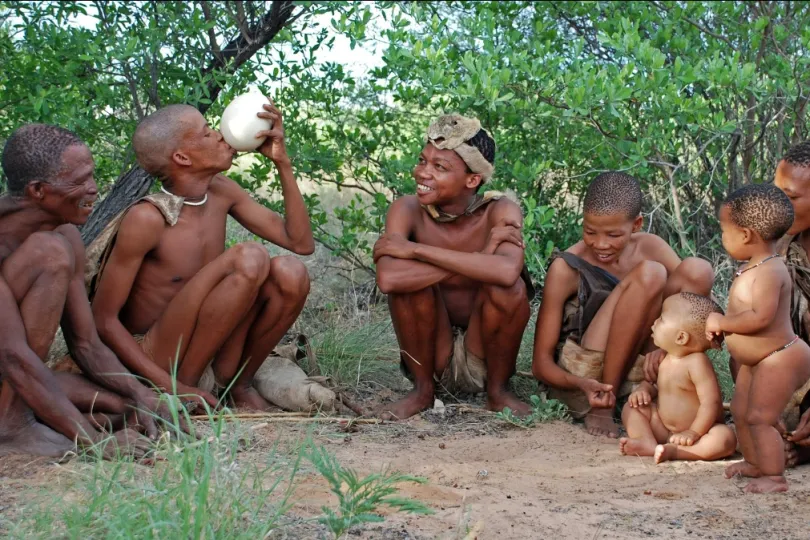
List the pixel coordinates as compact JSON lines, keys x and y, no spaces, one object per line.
{"x":167,"y":296}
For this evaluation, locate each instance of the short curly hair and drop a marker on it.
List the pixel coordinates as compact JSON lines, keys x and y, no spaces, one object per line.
{"x":763,"y":208}
{"x":157,"y":137}
{"x":799,"y":155}
{"x":613,"y":193}
{"x":700,"y":307}
{"x":34,"y":152}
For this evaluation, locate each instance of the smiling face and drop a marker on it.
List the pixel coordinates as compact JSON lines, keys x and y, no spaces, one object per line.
{"x":607,"y":235}
{"x":443,"y":177}
{"x":71,"y":193}
{"x":794,"y":181}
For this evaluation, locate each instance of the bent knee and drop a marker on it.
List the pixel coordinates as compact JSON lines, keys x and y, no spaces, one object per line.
{"x":697,"y":275}
{"x":251,"y":260}
{"x":759,"y":417}
{"x":652,"y":276}
{"x":53,"y":252}
{"x":290,"y":276}
{"x":507,"y":298}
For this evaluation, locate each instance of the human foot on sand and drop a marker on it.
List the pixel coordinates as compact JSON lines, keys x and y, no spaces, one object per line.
{"x":600,"y":422}
{"x":664,"y":452}
{"x":34,"y":438}
{"x":767,"y":484}
{"x":499,"y":401}
{"x":742,"y":468}
{"x":414,"y":402}
{"x":635,"y":447}
{"x":249,"y":398}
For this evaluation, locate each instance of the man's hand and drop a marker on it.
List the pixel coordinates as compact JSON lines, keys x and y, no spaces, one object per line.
{"x":801,"y":435}
{"x":684,"y":438}
{"x":506,"y":231}
{"x":651,"y":362}
{"x":126,"y":442}
{"x":393,"y":245}
{"x":713,"y":328}
{"x":197,"y":395}
{"x":640,"y":398}
{"x":274,"y":146}
{"x":600,"y":395}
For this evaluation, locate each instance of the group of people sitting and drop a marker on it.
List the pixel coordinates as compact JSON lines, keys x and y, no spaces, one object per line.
{"x":157,"y":303}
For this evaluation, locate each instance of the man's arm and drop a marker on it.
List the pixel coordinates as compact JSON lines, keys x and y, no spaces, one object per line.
{"x":32,"y":380}
{"x":138,"y":234}
{"x":96,"y":360}
{"x":500,"y":268}
{"x":396,"y":275}
{"x":294,"y":231}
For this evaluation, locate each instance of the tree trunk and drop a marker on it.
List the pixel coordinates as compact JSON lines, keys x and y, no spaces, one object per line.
{"x":135,"y":183}
{"x":130,"y":187}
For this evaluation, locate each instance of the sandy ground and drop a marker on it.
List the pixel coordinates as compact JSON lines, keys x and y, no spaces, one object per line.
{"x":551,"y":481}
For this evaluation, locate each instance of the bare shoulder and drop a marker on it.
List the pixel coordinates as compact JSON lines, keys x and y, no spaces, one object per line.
{"x":406,"y":204}
{"x":652,"y":245}
{"x":505,"y":208}
{"x":142,"y":225}
{"x":225,"y":188}
{"x":561,"y":276}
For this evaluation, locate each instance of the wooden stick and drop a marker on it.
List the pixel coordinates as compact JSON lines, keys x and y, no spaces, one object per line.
{"x":527,"y":374}
{"x":246,"y":416}
{"x":354,"y":407}
{"x":276,"y":418}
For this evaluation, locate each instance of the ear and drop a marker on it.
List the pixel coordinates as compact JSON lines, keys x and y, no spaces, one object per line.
{"x":181,"y":159}
{"x":637,"y":223}
{"x":35,"y":190}
{"x":473,"y":181}
{"x":682,"y":338}
{"x":748,"y":235}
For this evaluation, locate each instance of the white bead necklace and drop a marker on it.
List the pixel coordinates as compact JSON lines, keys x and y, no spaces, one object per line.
{"x":202,"y":202}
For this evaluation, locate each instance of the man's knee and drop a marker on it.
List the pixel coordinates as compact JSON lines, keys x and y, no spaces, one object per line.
{"x":53,"y":253}
{"x":251,"y":260}
{"x":697,"y":275}
{"x":651,"y":276}
{"x":758,"y":417}
{"x":507,"y":299}
{"x":290,"y":275}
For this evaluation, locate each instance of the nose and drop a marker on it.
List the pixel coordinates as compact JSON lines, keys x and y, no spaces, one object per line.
{"x":420,"y":172}
{"x":92,"y":187}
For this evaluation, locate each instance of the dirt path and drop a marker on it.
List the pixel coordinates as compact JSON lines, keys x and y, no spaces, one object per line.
{"x":552,"y":481}
{"x":555,"y":481}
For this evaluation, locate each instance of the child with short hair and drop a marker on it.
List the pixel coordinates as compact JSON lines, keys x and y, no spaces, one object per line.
{"x":681,"y":416}
{"x":774,"y":362}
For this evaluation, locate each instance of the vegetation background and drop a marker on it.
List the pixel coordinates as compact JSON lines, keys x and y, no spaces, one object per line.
{"x":692,"y":98}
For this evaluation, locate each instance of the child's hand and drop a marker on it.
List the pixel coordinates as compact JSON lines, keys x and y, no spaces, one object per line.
{"x":684,"y":438}
{"x":640,"y":398}
{"x":713,"y":330}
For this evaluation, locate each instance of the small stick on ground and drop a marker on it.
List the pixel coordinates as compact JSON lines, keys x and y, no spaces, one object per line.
{"x":247,"y":416}
{"x":352,"y":406}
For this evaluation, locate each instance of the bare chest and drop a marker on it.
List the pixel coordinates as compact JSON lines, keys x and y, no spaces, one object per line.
{"x":673,"y":377}
{"x":193,"y":242}
{"x":468,"y":235}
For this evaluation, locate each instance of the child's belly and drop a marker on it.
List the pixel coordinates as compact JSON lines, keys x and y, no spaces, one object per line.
{"x":677,"y":409}
{"x":749,"y":350}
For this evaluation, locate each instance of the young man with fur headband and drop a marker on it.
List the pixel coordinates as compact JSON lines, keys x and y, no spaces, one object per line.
{"x":451,"y":263}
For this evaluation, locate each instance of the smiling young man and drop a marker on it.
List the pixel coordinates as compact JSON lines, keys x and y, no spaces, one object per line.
{"x":600,"y":299}
{"x":166,"y":293}
{"x":451,"y":263}
{"x":50,"y":190}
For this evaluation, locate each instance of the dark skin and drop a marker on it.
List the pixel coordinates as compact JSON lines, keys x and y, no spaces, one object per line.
{"x":649,"y":270}
{"x":42,"y":288}
{"x":465,"y":273}
{"x":196,"y":300}
{"x":795,"y":182}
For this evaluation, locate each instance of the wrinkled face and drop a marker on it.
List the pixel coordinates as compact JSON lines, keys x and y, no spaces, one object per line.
{"x":70,"y":194}
{"x":203,"y":146}
{"x":442,"y":176}
{"x":795,"y":182}
{"x":666,"y":328}
{"x":607,"y":235}
{"x":734,"y":237}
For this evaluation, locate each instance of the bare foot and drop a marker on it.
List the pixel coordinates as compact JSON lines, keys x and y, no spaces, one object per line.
{"x":37,"y":439}
{"x":664,"y":452}
{"x":498,"y":402}
{"x":249,"y":398}
{"x":414,"y":402}
{"x":635,"y":447}
{"x":599,"y":422}
{"x":767,"y":484}
{"x":742,"y":468}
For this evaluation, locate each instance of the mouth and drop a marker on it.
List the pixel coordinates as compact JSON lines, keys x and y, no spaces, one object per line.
{"x":87,"y":205}
{"x":604,"y":257}
{"x":422,"y":188}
